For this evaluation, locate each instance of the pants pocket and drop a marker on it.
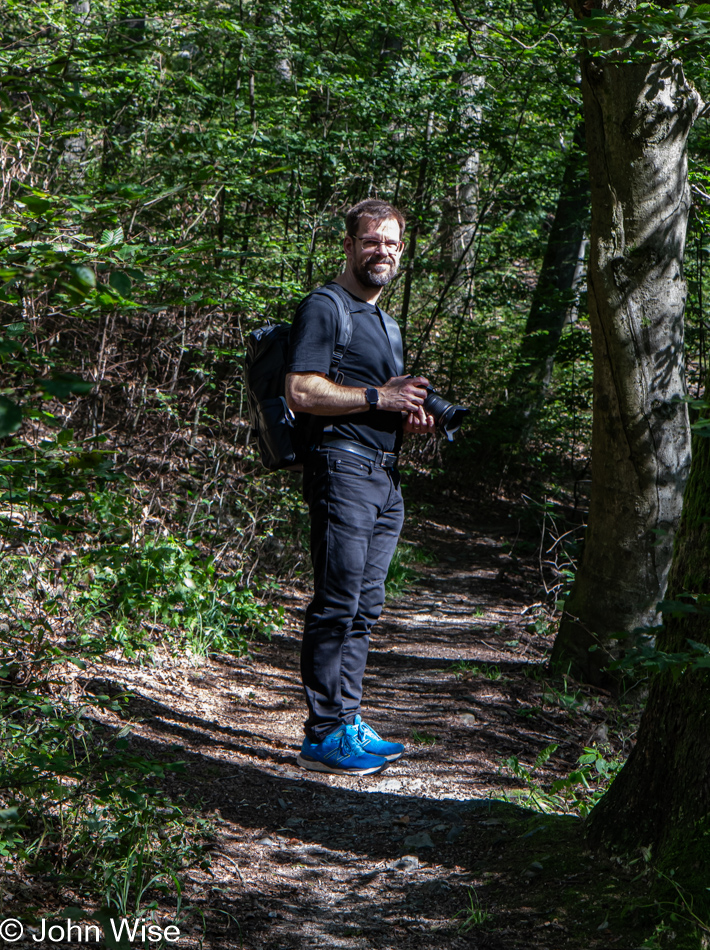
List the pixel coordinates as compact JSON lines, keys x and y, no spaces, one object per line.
{"x":359,"y":468}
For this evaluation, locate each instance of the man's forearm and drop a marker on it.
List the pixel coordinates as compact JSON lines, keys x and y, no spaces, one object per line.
{"x":315,"y":393}
{"x":311,"y":392}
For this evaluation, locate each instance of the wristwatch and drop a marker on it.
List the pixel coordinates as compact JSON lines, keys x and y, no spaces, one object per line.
{"x":372,"y":396}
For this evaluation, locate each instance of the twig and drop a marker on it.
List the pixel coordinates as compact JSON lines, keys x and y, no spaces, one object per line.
{"x":241,"y":876}
{"x":204,"y":211}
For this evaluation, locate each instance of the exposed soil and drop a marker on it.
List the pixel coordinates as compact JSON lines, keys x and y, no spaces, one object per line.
{"x":399,"y":860}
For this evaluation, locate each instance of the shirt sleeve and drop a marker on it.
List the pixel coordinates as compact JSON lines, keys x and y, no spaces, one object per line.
{"x":313,"y":335}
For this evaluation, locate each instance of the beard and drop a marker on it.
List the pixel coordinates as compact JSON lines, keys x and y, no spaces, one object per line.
{"x":370,"y":274}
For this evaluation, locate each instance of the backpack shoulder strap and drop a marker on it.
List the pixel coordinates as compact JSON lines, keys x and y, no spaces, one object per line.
{"x":394,"y":335}
{"x":344,"y":333}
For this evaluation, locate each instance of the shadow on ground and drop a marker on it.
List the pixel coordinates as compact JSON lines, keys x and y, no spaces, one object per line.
{"x":425,"y":855}
{"x":299,"y":864}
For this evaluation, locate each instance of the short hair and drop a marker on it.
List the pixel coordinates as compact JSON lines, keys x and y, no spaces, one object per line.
{"x":375,"y":209}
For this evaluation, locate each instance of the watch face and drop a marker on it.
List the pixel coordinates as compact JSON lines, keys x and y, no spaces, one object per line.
{"x":372,"y":396}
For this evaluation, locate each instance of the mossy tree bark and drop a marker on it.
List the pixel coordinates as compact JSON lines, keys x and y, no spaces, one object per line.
{"x":638,"y":114}
{"x":661,"y":798}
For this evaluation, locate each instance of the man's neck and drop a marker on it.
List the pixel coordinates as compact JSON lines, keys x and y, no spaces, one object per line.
{"x":353,"y":286}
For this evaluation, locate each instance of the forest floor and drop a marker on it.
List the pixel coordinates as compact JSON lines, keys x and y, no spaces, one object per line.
{"x":433,"y":852}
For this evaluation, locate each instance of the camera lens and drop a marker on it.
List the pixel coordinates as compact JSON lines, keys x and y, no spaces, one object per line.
{"x":446,"y":415}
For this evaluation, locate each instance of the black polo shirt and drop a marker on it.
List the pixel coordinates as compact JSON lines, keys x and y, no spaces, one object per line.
{"x":368,"y":360}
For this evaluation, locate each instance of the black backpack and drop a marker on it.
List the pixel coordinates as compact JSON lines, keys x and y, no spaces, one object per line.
{"x":281,"y":438}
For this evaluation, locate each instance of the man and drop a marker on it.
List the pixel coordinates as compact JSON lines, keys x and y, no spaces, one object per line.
{"x":351,"y":485}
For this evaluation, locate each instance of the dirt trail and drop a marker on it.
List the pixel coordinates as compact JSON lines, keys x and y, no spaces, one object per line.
{"x":305,"y":861}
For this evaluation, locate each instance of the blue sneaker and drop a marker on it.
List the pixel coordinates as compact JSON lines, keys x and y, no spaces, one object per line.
{"x":372,"y":743}
{"x":340,"y":753}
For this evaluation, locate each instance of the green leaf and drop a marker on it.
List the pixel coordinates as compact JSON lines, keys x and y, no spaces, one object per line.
{"x":677,"y":607}
{"x":10,"y":417}
{"x":63,"y":385}
{"x":121,"y":283}
{"x":84,"y":275}
{"x":35,"y":204}
{"x":700,"y":647}
{"x":112,"y":238}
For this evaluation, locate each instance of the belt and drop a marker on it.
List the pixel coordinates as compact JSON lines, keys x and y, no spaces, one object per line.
{"x":385,"y":459}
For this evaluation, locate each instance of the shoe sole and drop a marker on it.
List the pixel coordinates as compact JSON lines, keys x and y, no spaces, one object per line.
{"x":390,"y":758}
{"x":314,"y":766}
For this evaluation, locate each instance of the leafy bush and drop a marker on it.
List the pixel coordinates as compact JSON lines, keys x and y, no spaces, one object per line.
{"x":163,"y":581}
{"x":576,"y":793}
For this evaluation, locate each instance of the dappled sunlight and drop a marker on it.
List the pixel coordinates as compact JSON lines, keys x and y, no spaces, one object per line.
{"x":456,"y":673}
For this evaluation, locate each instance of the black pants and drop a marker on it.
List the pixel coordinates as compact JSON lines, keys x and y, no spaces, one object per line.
{"x":356,"y":515}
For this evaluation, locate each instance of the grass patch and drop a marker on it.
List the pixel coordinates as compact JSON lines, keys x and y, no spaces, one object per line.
{"x":402,"y":573}
{"x":465,"y":669}
{"x":474,"y":915}
{"x":423,"y":738}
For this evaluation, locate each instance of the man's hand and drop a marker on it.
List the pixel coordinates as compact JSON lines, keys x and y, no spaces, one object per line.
{"x":419,"y":423}
{"x":404,"y":394}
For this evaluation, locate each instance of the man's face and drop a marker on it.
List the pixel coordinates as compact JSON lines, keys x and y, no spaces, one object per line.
{"x":374,"y":254}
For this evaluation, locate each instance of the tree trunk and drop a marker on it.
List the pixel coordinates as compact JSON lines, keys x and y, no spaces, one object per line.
{"x":75,"y":146}
{"x":638,"y":115}
{"x":553,"y":307}
{"x":412,"y":238}
{"x":127,"y":34}
{"x":460,"y":211}
{"x":661,"y":798}
{"x":276,"y":15}
{"x":460,"y":219}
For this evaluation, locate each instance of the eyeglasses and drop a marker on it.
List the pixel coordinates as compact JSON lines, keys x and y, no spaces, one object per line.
{"x":372,"y":244}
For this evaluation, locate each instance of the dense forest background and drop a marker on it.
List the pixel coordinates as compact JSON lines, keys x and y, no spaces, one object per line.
{"x":175,"y":175}
{"x":170,"y":183}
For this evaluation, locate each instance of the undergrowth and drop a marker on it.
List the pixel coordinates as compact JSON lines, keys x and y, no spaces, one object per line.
{"x":163,"y":583}
{"x":575,"y":793}
{"x":84,"y":571}
{"x":402,"y":574}
{"x":82,"y":807}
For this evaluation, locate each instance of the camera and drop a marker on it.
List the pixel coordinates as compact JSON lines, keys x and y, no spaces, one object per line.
{"x":446,"y":415}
